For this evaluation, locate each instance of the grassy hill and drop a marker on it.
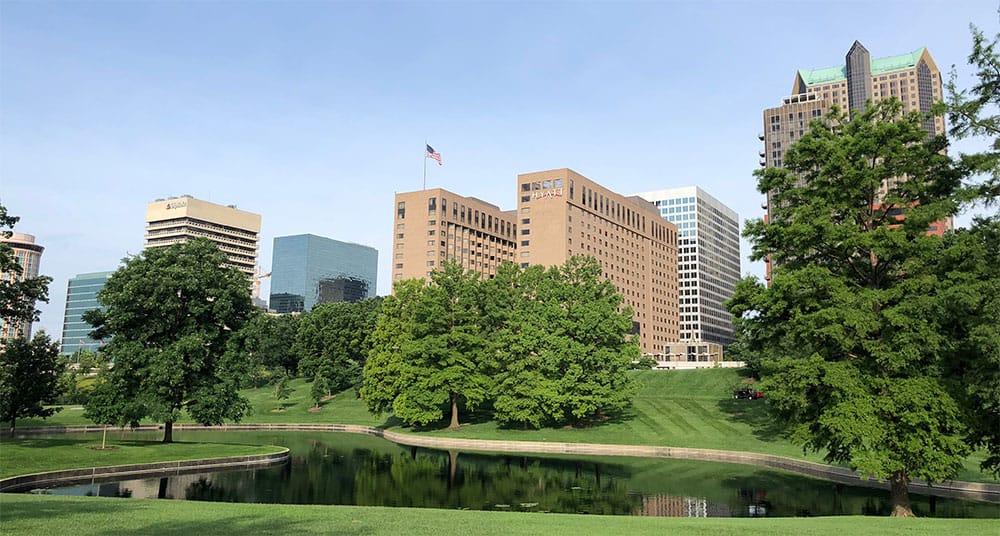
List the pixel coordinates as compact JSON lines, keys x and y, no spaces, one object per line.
{"x":681,"y":408}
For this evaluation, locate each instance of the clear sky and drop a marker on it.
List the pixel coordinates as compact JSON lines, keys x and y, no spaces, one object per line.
{"x":313,"y":114}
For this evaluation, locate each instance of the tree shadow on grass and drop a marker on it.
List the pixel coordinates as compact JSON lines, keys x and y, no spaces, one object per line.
{"x":754,"y":413}
{"x":131,"y":516}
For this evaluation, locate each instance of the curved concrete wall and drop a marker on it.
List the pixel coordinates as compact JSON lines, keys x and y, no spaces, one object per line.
{"x":141,"y":470}
{"x":954,"y":489}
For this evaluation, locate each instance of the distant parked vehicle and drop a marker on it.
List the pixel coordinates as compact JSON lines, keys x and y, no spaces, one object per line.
{"x":747,"y":393}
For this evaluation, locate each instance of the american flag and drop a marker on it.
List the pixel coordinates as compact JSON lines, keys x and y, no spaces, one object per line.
{"x":431,"y":153}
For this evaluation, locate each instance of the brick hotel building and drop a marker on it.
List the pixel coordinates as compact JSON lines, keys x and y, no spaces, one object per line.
{"x":559,"y":214}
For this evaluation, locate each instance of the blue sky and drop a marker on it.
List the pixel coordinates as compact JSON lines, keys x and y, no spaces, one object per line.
{"x":313,"y":114}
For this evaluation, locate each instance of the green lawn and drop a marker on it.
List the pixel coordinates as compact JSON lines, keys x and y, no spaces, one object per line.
{"x":44,"y":515}
{"x":36,"y":454}
{"x":689,"y":408}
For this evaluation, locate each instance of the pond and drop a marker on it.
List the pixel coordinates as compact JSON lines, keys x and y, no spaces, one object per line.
{"x":349,"y":469}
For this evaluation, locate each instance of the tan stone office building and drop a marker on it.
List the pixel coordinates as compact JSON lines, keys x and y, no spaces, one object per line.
{"x":431,"y":226}
{"x":179,"y":219}
{"x":560,"y":213}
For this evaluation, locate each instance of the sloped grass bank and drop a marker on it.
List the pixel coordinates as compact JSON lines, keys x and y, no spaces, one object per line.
{"x":83,"y":516}
{"x":683,"y":408}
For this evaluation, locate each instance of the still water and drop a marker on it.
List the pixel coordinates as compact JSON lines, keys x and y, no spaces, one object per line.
{"x":348,"y":469}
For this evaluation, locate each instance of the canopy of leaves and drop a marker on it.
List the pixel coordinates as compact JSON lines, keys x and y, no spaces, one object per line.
{"x":265,"y":347}
{"x":29,"y":378}
{"x":562,"y":349}
{"x":538,"y":347}
{"x":850,"y":322}
{"x":331,"y":341}
{"x":171,"y":312}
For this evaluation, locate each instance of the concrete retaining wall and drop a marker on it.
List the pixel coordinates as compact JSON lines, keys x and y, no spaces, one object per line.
{"x":954,"y":489}
{"x":141,"y":470}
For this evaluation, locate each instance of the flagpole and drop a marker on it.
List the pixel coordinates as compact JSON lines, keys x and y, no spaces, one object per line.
{"x":425,"y":164}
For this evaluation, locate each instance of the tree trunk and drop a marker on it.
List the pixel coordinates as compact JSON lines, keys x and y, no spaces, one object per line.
{"x":168,"y":432}
{"x":900,"y":490}
{"x":454,"y":412}
{"x":12,"y":421}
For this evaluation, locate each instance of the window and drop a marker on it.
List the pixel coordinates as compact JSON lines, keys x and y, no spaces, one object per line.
{"x":401,"y":210}
{"x":430,"y":242}
{"x":399,"y":265}
{"x":525,"y":198}
{"x":558,"y":183}
{"x":432,"y":232}
{"x":526,"y":187}
{"x":430,"y":263}
{"x":524,"y":242}
{"x":525,"y":221}
{"x":525,"y":254}
{"x":399,"y":235}
{"x":546,"y":184}
{"x":525,"y":231}
{"x":432,"y":222}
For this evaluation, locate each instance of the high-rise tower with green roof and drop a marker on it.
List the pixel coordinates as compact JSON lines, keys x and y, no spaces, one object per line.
{"x":913,"y":78}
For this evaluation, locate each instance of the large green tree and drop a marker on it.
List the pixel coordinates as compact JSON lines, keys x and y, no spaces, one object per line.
{"x":18,"y":295}
{"x":170,"y":312}
{"x":331,"y":341}
{"x":849,"y":324}
{"x":29,"y":378}
{"x":445,"y":356}
{"x":386,"y":372}
{"x":561,"y":345}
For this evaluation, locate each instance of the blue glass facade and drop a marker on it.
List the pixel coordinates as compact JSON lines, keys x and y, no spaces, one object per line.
{"x":81,"y":296}
{"x":307,"y":270}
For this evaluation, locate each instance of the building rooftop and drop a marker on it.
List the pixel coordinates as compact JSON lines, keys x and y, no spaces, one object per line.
{"x":878,"y":66}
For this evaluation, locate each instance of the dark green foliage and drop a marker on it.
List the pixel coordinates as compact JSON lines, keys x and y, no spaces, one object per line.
{"x":849,"y":324}
{"x":446,"y":350}
{"x":384,"y":371}
{"x":265,"y":347}
{"x":968,"y":306}
{"x":544,"y":347}
{"x":29,"y":378}
{"x":17,"y":297}
{"x":968,"y":114}
{"x":562,"y":346}
{"x":171,"y":312}
{"x":331,"y":341}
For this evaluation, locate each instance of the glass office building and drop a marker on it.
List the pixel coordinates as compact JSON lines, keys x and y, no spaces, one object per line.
{"x":81,"y":296}
{"x":307,"y":270}
{"x":708,"y":260}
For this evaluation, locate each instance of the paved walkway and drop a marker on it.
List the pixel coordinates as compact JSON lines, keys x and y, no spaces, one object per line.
{"x":954,"y":488}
